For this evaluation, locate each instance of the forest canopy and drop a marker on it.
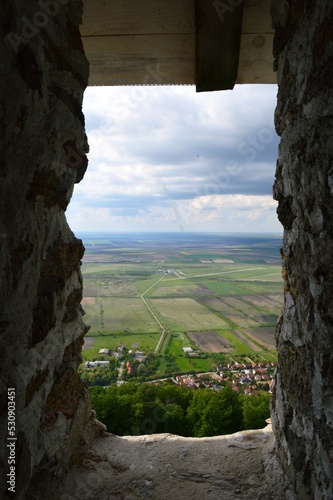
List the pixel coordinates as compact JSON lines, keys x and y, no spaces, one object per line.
{"x":134,"y":409}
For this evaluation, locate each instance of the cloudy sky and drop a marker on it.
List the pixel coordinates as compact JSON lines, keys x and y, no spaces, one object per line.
{"x":165,"y":158}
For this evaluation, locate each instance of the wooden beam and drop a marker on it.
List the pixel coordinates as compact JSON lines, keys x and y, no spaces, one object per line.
{"x":141,"y":59}
{"x":256,"y":59}
{"x":137,"y":17}
{"x":218,"y":33}
{"x":256,"y":50}
{"x":257,"y":17}
{"x":118,"y":37}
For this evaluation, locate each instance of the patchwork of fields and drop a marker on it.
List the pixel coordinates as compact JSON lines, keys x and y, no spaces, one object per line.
{"x":181,"y":315}
{"x":218,"y":295}
{"x":117,"y":315}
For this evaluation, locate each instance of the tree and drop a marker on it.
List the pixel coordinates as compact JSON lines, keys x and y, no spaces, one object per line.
{"x":181,"y":396}
{"x":175,"y":420}
{"x":141,"y":370}
{"x":148,"y":408}
{"x":147,"y":392}
{"x":230,"y":402}
{"x":196,"y":412}
{"x":256,"y":411}
{"x":212,"y":414}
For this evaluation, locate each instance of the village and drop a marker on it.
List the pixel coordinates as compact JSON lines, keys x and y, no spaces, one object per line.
{"x":245,"y":378}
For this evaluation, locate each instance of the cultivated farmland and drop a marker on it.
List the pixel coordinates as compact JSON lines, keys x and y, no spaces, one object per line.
{"x":219,"y":294}
{"x":210,"y":341}
{"x":186,"y":314}
{"x":264,"y":336}
{"x":246,"y":341}
{"x":180,"y":290}
{"x":117,"y":315}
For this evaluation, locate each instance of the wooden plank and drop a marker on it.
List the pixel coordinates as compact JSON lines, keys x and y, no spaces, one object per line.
{"x":123,"y":60}
{"x":141,"y":59}
{"x":257,"y":17}
{"x":256,"y":59}
{"x":133,"y":17}
{"x":218,"y":33}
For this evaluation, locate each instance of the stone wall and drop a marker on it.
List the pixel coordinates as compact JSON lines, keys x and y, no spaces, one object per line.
{"x":303,"y":399}
{"x":42,"y":154}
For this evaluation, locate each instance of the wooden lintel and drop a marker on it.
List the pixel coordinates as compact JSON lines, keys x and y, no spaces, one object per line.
{"x":218,"y":35}
{"x":211,"y":43}
{"x":141,"y":59}
{"x":137,"y":17}
{"x":257,"y":17}
{"x":255,"y":59}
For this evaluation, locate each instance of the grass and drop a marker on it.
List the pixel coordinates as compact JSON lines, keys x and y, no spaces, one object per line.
{"x":128,"y":315}
{"x":176,"y":344}
{"x":194,"y":364}
{"x":181,"y":290}
{"x":165,"y":343}
{"x":220,"y":287}
{"x":241,"y":313}
{"x":146,"y":343}
{"x":239,"y":287}
{"x":162,"y":367}
{"x":118,"y":269}
{"x":184,"y":314}
{"x":182,"y":361}
{"x":143,"y":285}
{"x":229,"y":283}
{"x":238,"y":345}
{"x":270,"y":356}
{"x":105,"y":286}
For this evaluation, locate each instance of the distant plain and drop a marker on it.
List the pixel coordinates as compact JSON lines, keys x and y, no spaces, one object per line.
{"x":197,"y":287}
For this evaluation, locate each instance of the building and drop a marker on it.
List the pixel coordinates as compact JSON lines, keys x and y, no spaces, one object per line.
{"x":96,"y":364}
{"x":107,"y":352}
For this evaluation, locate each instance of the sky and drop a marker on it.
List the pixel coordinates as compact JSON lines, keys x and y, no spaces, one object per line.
{"x":165,"y":158}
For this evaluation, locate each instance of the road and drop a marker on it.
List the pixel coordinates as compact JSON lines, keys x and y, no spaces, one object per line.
{"x":160,"y":340}
{"x":184,"y":277}
{"x":120,"y":372}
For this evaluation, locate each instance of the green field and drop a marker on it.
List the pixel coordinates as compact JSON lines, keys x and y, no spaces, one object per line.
{"x":221,"y":280}
{"x":184,"y":314}
{"x":108,"y":286}
{"x":183,"y":362}
{"x":118,"y":315}
{"x":135,"y":285}
{"x":92,"y":345}
{"x":240,"y":345}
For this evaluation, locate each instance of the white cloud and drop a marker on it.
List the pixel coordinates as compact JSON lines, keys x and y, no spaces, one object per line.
{"x":159,"y":152}
{"x":230,"y":213}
